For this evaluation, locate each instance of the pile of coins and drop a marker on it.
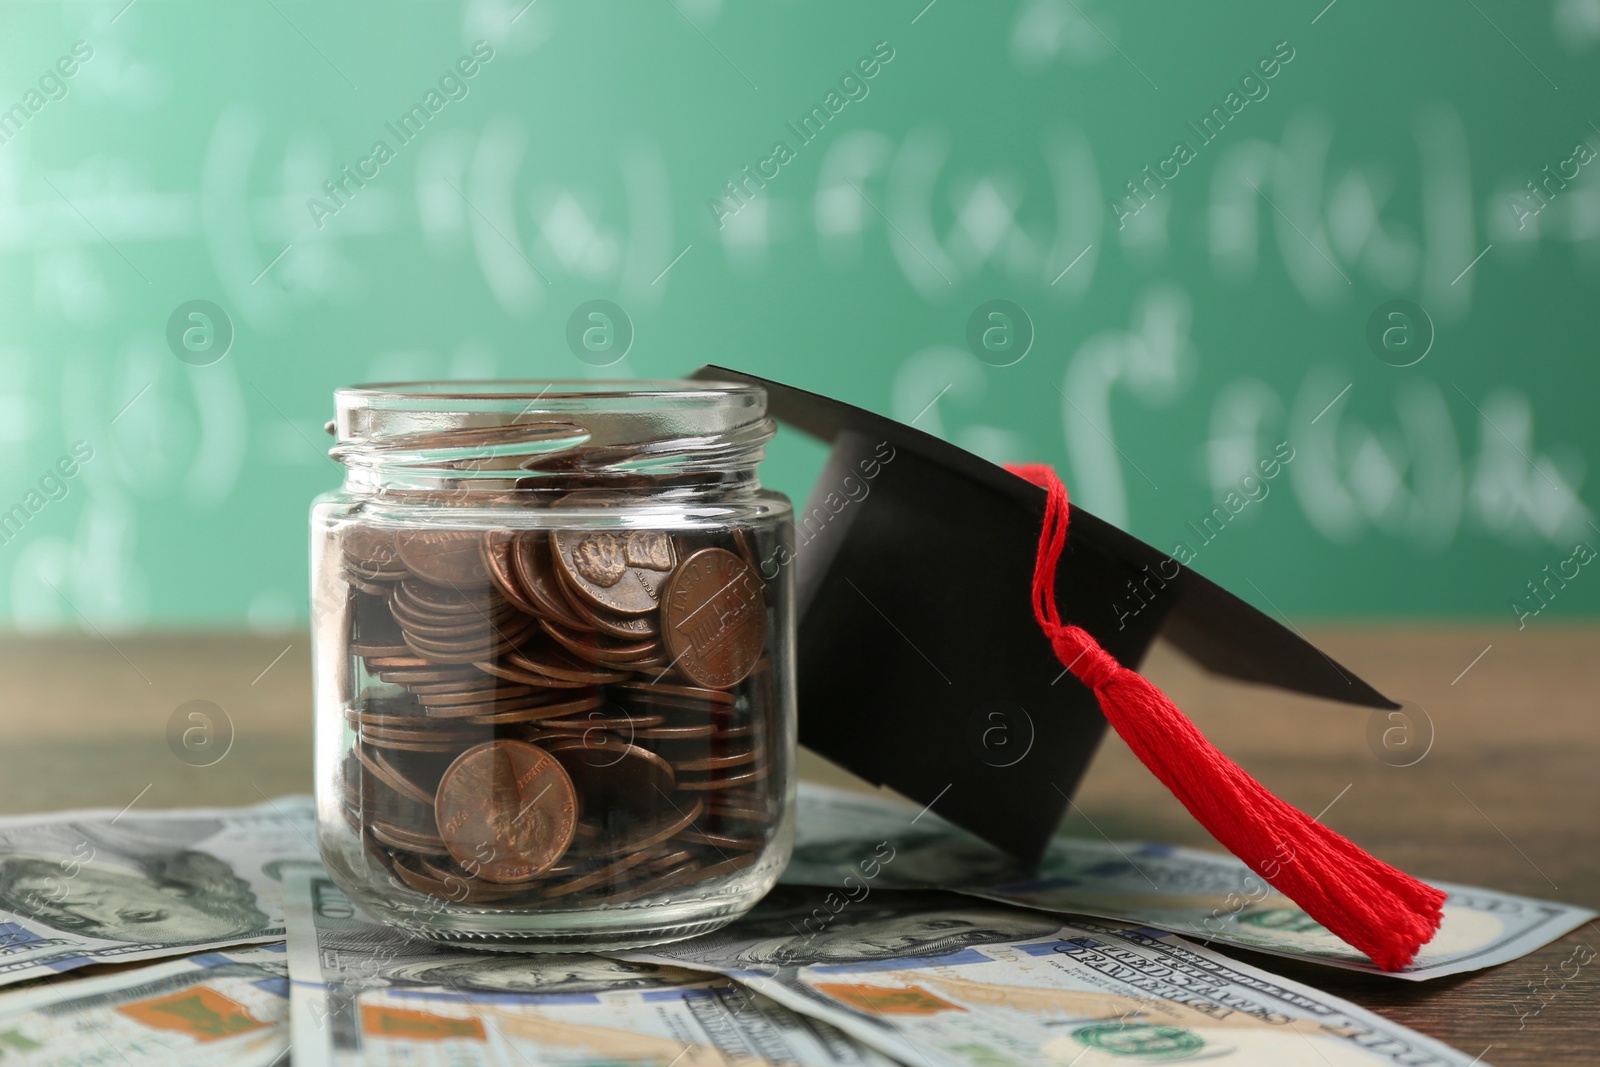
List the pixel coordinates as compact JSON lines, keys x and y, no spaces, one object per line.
{"x":558,"y":718}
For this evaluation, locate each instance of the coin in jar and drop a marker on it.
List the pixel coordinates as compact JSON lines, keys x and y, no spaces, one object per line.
{"x":617,"y":570}
{"x":498,"y":548}
{"x":537,"y":580}
{"x":714,"y":618}
{"x":370,"y":552}
{"x":449,"y":558}
{"x":506,"y":810}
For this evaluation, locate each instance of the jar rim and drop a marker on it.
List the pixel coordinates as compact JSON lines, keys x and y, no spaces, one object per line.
{"x":490,"y":389}
{"x":502,"y":434}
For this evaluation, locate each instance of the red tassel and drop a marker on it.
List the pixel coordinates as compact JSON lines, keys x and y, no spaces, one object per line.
{"x":1370,"y":905}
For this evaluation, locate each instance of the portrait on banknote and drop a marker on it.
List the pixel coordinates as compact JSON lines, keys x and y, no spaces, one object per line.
{"x":137,"y":882}
{"x":796,"y":927}
{"x":541,"y":973}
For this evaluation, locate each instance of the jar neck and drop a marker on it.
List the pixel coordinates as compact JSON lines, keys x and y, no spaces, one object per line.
{"x":482,"y":443}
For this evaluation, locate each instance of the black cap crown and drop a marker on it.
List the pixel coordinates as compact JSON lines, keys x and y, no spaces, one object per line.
{"x":920,"y":664}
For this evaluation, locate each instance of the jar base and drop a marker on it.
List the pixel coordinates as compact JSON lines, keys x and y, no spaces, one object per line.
{"x":610,"y":941}
{"x":591,"y":929}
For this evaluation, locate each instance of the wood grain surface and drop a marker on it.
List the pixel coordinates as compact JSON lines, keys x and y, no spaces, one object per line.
{"x":1507,"y":796}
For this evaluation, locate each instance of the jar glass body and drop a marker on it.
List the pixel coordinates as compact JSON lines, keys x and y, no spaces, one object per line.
{"x":553,"y":659}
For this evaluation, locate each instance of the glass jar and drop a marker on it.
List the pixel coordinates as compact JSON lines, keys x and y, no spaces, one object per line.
{"x":553,"y":660}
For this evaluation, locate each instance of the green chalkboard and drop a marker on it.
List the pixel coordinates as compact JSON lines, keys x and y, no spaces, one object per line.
{"x":1157,"y":245}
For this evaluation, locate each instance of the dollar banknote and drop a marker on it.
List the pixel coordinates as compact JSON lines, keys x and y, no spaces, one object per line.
{"x":369,"y":994}
{"x":214,"y":1009}
{"x":946,"y":981}
{"x":86,"y":887}
{"x":1205,"y":895}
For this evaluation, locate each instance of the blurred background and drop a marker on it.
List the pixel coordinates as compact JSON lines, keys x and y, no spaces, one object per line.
{"x":1375,"y":252}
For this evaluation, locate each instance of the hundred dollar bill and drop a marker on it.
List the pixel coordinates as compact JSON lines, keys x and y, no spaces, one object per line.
{"x":1205,"y":895}
{"x":369,"y":994}
{"x":946,"y":981}
{"x":215,"y":1009}
{"x":86,"y":887}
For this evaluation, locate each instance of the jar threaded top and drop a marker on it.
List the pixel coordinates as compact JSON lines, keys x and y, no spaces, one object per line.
{"x":487,"y":437}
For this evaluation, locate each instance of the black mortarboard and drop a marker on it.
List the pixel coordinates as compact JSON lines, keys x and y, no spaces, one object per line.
{"x":917,"y":642}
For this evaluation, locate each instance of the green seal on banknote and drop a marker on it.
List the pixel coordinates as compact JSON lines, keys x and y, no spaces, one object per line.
{"x":1140,"y":1039}
{"x":1291,"y":919}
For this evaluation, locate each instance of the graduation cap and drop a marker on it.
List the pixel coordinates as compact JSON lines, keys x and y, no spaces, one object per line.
{"x":931,"y":658}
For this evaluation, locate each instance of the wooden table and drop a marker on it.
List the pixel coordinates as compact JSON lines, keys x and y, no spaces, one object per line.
{"x":1508,"y":796}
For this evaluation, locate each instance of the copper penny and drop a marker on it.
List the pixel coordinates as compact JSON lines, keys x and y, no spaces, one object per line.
{"x":444,"y":868}
{"x":403,"y":725}
{"x":382,"y":663}
{"x":744,"y":544}
{"x":670,"y":823}
{"x":739,"y":813}
{"x":665,"y":860}
{"x":608,"y":873}
{"x":425,"y":599}
{"x":499,"y":546}
{"x":533,"y":713}
{"x":714,"y":618}
{"x":506,"y":810}
{"x":395,"y":812}
{"x":410,"y":717}
{"x":475,"y":444}
{"x":675,"y":733}
{"x":441,"y":747}
{"x":605,"y":653}
{"x":604,"y":720}
{"x":373,"y":734}
{"x":372,"y":588}
{"x":487,"y":707}
{"x":480,"y":646}
{"x":620,"y":571}
{"x":715,"y":763}
{"x":386,"y":857}
{"x":435,"y":695}
{"x":588,"y":607}
{"x":389,"y":775}
{"x":557,"y":664}
{"x":724,"y":781}
{"x":448,"y":653}
{"x":721,"y":841}
{"x":373,"y":631}
{"x":679,"y":711}
{"x":625,"y":626}
{"x":467,"y":676}
{"x":514,"y":674}
{"x":453,"y":887}
{"x":462,"y":630}
{"x":614,"y":777}
{"x":679,"y":874}
{"x":403,"y":838}
{"x":727,"y":866}
{"x":472,"y":683}
{"x":750,"y":798}
{"x":685,"y":692}
{"x":530,"y":565}
{"x":444,"y":557}
{"x":668,"y":857}
{"x":370,"y":552}
{"x":368,"y":648}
